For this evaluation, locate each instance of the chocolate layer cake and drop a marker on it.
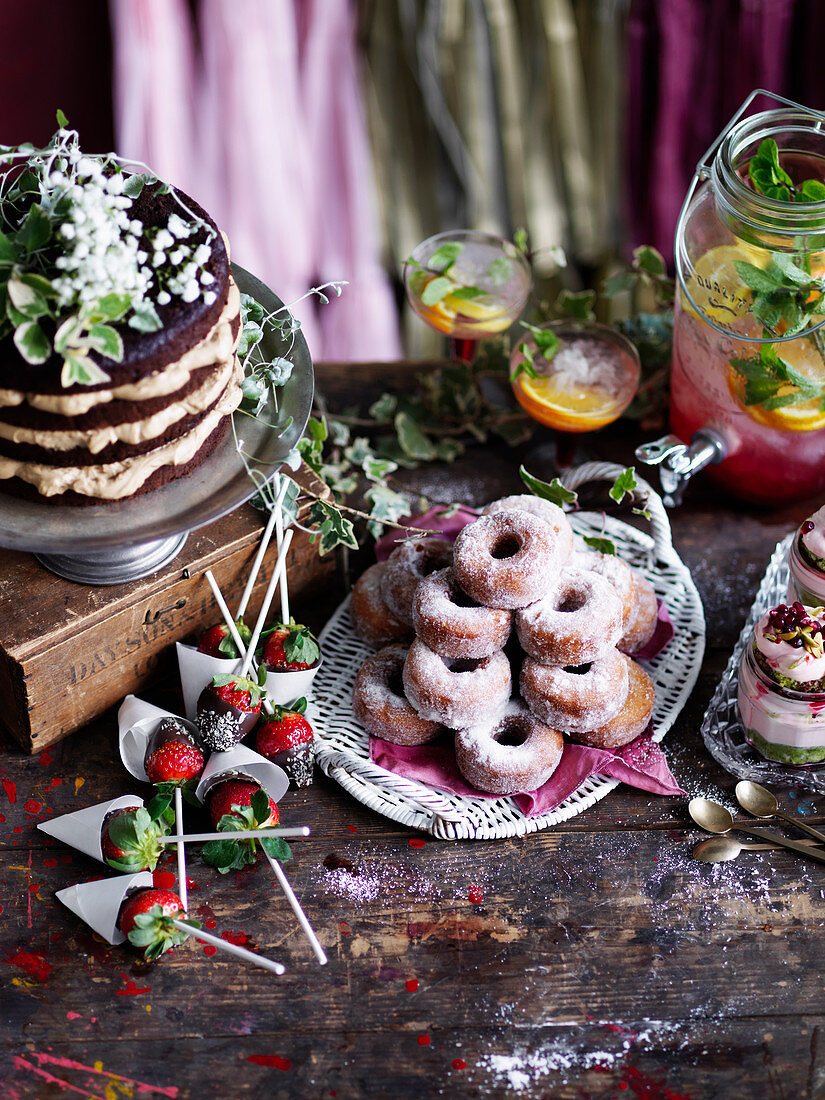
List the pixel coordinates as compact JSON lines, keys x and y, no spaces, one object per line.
{"x":158,"y":410}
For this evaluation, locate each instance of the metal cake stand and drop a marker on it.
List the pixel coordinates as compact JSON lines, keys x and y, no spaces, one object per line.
{"x":119,"y":542}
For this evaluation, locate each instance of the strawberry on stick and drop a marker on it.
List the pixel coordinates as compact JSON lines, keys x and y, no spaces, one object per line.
{"x":285,"y":737}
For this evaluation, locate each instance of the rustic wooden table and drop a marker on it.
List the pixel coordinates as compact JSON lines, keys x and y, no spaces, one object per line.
{"x":595,"y":959}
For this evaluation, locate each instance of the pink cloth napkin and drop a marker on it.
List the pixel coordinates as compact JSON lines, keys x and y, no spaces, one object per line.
{"x":640,"y":764}
{"x":435,"y":520}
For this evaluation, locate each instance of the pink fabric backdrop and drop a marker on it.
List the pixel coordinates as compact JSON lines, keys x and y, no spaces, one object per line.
{"x":256,"y":111}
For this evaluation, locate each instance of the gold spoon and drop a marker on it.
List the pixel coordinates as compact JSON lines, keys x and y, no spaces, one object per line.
{"x":719,"y":849}
{"x":759,"y":801}
{"x":714,"y":818}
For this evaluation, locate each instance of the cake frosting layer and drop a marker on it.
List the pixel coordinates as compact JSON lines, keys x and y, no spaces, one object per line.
{"x":117,"y":480}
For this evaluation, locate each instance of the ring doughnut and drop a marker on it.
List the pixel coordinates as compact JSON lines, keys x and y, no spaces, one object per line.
{"x":371,"y":619}
{"x":507,"y":559}
{"x":613,"y":569}
{"x":410,"y":562}
{"x":580,"y":697}
{"x":631,"y":720}
{"x":452,"y":624}
{"x":379,"y":704}
{"x":644,"y":616}
{"x":456,"y":693}
{"x":536,"y":506}
{"x":513,"y":752}
{"x":578,"y":620}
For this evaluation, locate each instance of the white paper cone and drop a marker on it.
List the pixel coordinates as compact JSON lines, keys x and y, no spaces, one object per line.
{"x":98,"y":903}
{"x":283,"y":688}
{"x":196,"y":671}
{"x":241,"y":761}
{"x":137,"y":721}
{"x":81,"y":829}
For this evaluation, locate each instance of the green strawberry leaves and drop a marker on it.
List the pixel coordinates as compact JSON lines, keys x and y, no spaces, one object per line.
{"x":136,"y":834}
{"x":232,"y":855}
{"x":155,"y":933}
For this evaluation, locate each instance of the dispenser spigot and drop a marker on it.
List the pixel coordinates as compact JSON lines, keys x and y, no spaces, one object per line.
{"x":678,"y":461}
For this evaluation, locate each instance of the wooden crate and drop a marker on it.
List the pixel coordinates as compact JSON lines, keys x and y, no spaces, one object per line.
{"x":70,"y":651}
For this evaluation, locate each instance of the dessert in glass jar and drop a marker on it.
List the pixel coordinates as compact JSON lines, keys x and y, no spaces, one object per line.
{"x":806,"y":561}
{"x":781,"y":692}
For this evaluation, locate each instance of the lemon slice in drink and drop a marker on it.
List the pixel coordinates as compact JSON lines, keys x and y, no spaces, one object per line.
{"x":803,"y":416}
{"x":715,"y":286}
{"x":560,"y":407}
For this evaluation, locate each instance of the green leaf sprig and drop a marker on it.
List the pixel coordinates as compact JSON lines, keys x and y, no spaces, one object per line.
{"x":441,"y":265}
{"x":769,"y":178}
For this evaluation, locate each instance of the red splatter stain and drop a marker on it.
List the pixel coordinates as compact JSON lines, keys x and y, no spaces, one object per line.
{"x":416,"y":843}
{"x":211,"y":923}
{"x":344,"y":928}
{"x":191,"y":884}
{"x":45,"y":758}
{"x":423,"y":1040}
{"x":1,"y":908}
{"x":50,"y":862}
{"x":34,"y":887}
{"x":274,"y":1060}
{"x":412,"y":985}
{"x":647,"y":1088}
{"x":352,"y":829}
{"x":238,"y":938}
{"x":55,"y":782}
{"x":11,"y":790}
{"x":459,"y":1063}
{"x":475,"y":894}
{"x":66,"y":858}
{"x":131,"y":989}
{"x":2,"y":817}
{"x":72,"y":1015}
{"x":34,"y":965}
{"x":32,"y":807}
{"x":18,"y":829}
{"x":210,"y":949}
{"x":163,"y":880}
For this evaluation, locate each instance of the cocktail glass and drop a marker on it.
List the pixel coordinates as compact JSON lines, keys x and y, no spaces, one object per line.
{"x":467,"y":284}
{"x":586,"y":384}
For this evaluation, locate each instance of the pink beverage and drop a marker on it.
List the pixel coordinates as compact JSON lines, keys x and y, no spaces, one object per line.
{"x":764,"y":464}
{"x":749,"y":341}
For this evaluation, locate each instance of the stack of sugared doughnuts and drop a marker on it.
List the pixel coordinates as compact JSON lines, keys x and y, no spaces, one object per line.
{"x":514,"y":579}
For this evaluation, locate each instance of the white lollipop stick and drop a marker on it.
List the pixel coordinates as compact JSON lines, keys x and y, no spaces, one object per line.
{"x":274,"y":516}
{"x":279,"y":535}
{"x":278,"y":575}
{"x":241,"y":834}
{"x":231,"y":948}
{"x":230,"y":624}
{"x":224,"y":610}
{"x":296,"y":908}
{"x":181,"y":851}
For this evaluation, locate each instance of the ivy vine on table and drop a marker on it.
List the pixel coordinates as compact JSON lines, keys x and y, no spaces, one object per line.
{"x":459,"y":405}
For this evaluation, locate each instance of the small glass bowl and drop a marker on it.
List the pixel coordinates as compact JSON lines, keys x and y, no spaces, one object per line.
{"x":780,"y":724}
{"x":561,"y":404}
{"x":806,"y":583}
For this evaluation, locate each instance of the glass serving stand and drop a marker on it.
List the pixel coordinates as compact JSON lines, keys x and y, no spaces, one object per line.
{"x":119,"y":542}
{"x":722,"y":729}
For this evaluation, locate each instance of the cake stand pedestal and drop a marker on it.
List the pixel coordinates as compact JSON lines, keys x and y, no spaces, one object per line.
{"x":114,"y":543}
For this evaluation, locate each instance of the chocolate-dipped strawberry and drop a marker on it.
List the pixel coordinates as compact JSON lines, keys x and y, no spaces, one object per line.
{"x":285,"y":737}
{"x":145,"y":918}
{"x":235,"y":804}
{"x":171,"y":755}
{"x":129,"y":836}
{"x":228,"y":709}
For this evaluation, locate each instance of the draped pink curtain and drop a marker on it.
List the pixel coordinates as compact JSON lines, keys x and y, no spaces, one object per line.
{"x":265,"y":127}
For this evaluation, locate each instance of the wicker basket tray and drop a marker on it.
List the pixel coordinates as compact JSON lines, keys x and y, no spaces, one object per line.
{"x":343,"y":744}
{"x":722,"y":730}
